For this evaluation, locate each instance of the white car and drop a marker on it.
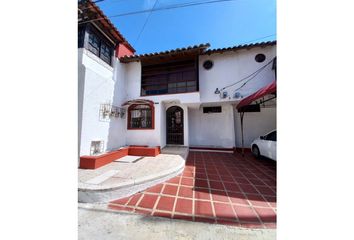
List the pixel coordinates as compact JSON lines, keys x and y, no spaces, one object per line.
{"x":265,"y":146}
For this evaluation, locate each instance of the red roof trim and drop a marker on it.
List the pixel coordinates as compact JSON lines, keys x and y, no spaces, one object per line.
{"x":270,"y":88}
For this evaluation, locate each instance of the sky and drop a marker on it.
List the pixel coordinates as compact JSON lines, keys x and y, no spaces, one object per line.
{"x":222,"y":24}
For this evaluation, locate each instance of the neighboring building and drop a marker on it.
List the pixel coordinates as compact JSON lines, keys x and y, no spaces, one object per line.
{"x":171,"y":97}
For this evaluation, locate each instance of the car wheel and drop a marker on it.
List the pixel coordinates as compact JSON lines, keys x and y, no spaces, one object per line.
{"x":255,"y":151}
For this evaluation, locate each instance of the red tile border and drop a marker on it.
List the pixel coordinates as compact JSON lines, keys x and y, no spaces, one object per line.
{"x":121,"y":201}
{"x":134,"y":199}
{"x":162,"y":214}
{"x":267,"y":215}
{"x":207,"y":220}
{"x":223,"y":210}
{"x":203,"y":208}
{"x":120,"y":208}
{"x":227,"y":222}
{"x":143,"y":211}
{"x":183,"y":217}
{"x":245,"y":214}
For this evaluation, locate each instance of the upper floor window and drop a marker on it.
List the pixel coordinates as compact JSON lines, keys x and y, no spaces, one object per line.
{"x":98,"y":46}
{"x":141,"y":116}
{"x":94,"y":44}
{"x":170,"y":78}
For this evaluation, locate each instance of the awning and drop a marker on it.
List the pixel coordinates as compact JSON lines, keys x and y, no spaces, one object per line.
{"x":270,"y":88}
{"x":138,"y":101}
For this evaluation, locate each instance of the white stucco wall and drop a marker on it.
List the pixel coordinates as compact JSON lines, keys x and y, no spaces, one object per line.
{"x":150,"y":137}
{"x":163,"y":126}
{"x":118,"y":126}
{"x":100,"y":83}
{"x":255,"y":124}
{"x":212,"y":129}
{"x":98,"y":88}
{"x":230,"y":67}
{"x":81,"y":89}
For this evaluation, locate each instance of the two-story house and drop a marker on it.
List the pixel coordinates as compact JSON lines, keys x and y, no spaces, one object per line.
{"x":186,"y":96}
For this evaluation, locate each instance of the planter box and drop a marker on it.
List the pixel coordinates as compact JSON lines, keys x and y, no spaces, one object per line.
{"x":93,"y":162}
{"x":144,"y":151}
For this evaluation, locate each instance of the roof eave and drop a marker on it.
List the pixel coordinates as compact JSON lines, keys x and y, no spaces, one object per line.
{"x":198,"y":49}
{"x":104,"y":19}
{"x":240,"y":47}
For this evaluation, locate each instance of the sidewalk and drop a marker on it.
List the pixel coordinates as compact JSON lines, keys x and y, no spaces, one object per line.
{"x":105,"y":225}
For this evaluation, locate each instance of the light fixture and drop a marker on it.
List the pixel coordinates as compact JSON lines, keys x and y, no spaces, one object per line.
{"x":217,"y":91}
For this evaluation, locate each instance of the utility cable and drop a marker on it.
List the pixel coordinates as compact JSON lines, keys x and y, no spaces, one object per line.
{"x":252,"y":77}
{"x":147,"y":19}
{"x":158,"y":9}
{"x":255,"y":73}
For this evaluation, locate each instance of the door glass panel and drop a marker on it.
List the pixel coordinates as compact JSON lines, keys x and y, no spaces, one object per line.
{"x":174,"y":120}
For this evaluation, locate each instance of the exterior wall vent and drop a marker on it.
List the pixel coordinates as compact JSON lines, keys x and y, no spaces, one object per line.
{"x":96,"y":147}
{"x":208,"y":64}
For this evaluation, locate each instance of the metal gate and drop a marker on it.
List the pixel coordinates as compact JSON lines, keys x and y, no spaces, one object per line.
{"x":174,"y":125}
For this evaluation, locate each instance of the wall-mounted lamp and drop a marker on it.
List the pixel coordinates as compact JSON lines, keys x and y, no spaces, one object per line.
{"x":217,"y":91}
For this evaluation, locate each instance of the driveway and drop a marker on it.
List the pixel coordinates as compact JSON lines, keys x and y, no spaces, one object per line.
{"x":217,"y":188}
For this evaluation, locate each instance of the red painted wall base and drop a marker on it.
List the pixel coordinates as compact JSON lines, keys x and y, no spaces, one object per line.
{"x":93,"y":162}
{"x":144,"y":151}
{"x":212,"y":148}
{"x":239,"y":150}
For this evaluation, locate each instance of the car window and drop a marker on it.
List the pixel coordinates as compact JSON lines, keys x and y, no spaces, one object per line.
{"x":272,"y":136}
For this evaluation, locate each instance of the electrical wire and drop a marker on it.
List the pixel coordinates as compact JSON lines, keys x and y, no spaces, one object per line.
{"x":147,"y":19}
{"x":257,"y":39}
{"x":255,"y":73}
{"x":159,"y":9}
{"x":252,"y":77}
{"x":117,"y":1}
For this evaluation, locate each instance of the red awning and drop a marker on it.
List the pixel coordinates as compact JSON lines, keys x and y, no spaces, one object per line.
{"x":270,"y":88}
{"x":138,"y":101}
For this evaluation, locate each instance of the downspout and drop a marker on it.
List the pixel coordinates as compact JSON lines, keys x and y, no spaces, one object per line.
{"x":242,"y":140}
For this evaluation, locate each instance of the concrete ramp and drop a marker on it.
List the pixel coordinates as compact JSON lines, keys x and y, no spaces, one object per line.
{"x":123,"y":178}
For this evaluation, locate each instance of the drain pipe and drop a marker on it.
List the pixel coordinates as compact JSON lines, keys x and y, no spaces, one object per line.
{"x":242,"y":140}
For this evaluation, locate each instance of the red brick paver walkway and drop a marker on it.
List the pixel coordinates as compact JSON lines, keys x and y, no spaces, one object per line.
{"x":214,"y":187}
